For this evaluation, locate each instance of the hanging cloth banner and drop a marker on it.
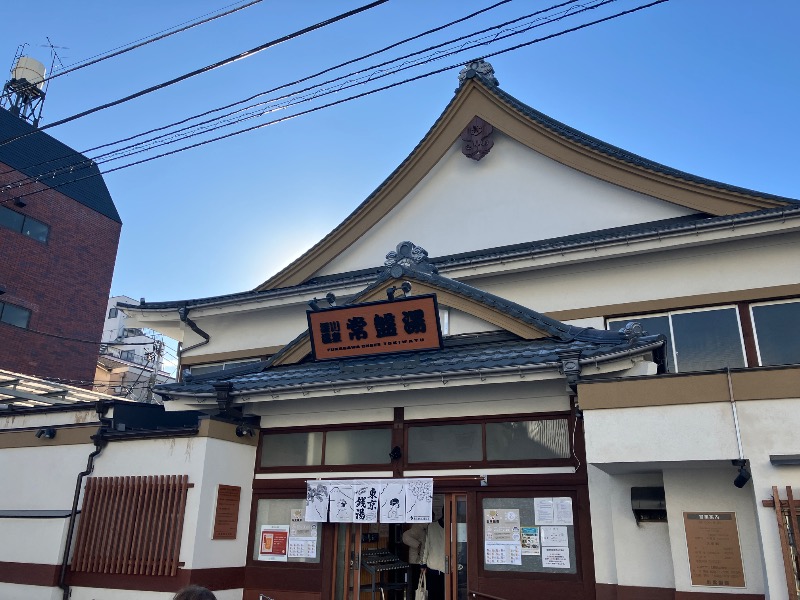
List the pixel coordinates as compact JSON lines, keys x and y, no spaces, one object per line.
{"x":369,"y":500}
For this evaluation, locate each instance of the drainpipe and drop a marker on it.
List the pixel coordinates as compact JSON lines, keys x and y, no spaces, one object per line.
{"x":100,"y":442}
{"x":183,"y":314}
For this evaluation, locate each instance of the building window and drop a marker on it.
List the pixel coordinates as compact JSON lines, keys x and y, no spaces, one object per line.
{"x":278,"y":520}
{"x":24,"y":224}
{"x":490,"y":442}
{"x":697,"y":340}
{"x":127,"y":355}
{"x":14,"y":315}
{"x":335,"y":447}
{"x":112,"y":313}
{"x":776,"y":326}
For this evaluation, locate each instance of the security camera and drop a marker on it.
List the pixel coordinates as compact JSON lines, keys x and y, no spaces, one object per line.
{"x":244,"y":431}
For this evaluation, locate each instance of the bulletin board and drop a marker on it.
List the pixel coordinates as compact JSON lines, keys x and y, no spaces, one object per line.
{"x":552,"y":542}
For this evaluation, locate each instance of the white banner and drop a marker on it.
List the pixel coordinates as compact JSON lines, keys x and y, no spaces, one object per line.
{"x":370,"y":501}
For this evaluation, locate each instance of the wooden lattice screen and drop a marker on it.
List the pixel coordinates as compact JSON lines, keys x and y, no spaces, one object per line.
{"x":131,"y":525}
{"x":786,"y":514}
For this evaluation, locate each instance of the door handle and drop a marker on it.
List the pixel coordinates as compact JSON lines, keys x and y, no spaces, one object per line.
{"x":447,"y":564}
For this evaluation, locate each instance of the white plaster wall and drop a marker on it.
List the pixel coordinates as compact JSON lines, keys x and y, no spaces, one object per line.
{"x":745,"y":264}
{"x":21,"y":421}
{"x":226,"y":463}
{"x":625,"y":553}
{"x":512,"y":195}
{"x":461,"y":322}
{"x":11,"y":591}
{"x":770,"y":427}
{"x":523,"y":397}
{"x":41,"y":478}
{"x":712,"y":490}
{"x":38,"y":541}
{"x":687,"y":432}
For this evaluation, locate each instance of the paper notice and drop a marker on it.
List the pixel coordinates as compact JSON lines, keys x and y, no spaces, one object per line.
{"x":502,"y":553}
{"x":543,"y":511}
{"x":555,"y":558}
{"x":562,"y":511}
{"x":554,"y":536}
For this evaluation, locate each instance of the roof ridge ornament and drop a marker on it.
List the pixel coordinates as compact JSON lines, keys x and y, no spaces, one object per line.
{"x":408,"y":255}
{"x":478,"y":67}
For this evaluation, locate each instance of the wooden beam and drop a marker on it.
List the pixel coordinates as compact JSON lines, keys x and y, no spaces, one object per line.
{"x":791,"y":586}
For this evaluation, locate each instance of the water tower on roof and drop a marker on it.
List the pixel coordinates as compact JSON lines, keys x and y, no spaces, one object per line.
{"x":23,"y":94}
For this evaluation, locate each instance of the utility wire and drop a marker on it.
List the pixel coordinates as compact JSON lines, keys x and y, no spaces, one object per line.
{"x":202,"y":70}
{"x":364,"y":57}
{"x":231,"y":120}
{"x":354,"y":97}
{"x":150,"y":40}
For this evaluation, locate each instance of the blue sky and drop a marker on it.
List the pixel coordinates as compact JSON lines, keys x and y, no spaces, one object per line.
{"x":706,"y":86}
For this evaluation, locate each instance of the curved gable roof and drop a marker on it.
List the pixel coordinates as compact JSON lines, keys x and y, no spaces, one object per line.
{"x":477,"y":97}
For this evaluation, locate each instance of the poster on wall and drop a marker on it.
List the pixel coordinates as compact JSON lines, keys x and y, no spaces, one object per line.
{"x":366,"y":503}
{"x":316,"y":502}
{"x":530,"y":541}
{"x":341,"y":503}
{"x":715,"y":555}
{"x":419,"y":500}
{"x":393,"y":502}
{"x":562,"y":511}
{"x":543,"y":511}
{"x":302,"y":535}
{"x":274,"y":543}
{"x":502,"y":536}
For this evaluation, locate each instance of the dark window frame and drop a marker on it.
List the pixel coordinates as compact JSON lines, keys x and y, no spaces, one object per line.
{"x":758,"y":359}
{"x":567,"y":415}
{"x":113,"y":312}
{"x":322,"y":467}
{"x":25,"y":219}
{"x":27,"y":310}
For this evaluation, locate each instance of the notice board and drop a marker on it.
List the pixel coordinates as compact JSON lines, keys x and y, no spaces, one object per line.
{"x":715,"y":556}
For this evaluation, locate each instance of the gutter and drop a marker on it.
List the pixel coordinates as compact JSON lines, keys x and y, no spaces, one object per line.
{"x":183,"y":314}
{"x":408,"y":379}
{"x":100,"y":442}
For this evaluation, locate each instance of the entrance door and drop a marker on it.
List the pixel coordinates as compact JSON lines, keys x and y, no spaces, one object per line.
{"x":455,"y":517}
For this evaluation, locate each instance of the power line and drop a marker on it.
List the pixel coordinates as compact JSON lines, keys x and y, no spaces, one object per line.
{"x":364,"y":57}
{"x":232,"y":120}
{"x":155,"y":38}
{"x":355,"y":97}
{"x":202,"y":70}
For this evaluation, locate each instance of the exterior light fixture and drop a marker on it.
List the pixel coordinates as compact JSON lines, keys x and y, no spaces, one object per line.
{"x":20,"y":202}
{"x":331,"y":298}
{"x":47,"y":433}
{"x":313,"y":303}
{"x":744,"y":473}
{"x":244,"y":431}
{"x":396,"y":453}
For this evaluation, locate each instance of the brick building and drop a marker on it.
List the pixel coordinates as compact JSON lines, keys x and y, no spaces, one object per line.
{"x":59,"y":231}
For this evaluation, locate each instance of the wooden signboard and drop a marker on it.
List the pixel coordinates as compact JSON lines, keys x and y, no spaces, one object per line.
{"x":715,"y":557}
{"x":375,"y":328}
{"x":226,"y":515}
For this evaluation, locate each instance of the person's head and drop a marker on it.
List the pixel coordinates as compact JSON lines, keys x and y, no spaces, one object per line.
{"x":194,"y":592}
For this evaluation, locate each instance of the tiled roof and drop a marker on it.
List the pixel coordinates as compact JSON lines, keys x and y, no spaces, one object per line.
{"x":630,"y":233}
{"x":39,"y":154}
{"x":483,"y":357}
{"x":613,"y":151}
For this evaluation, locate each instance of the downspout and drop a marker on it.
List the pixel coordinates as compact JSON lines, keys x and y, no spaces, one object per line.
{"x":183,"y":314}
{"x":100,"y":442}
